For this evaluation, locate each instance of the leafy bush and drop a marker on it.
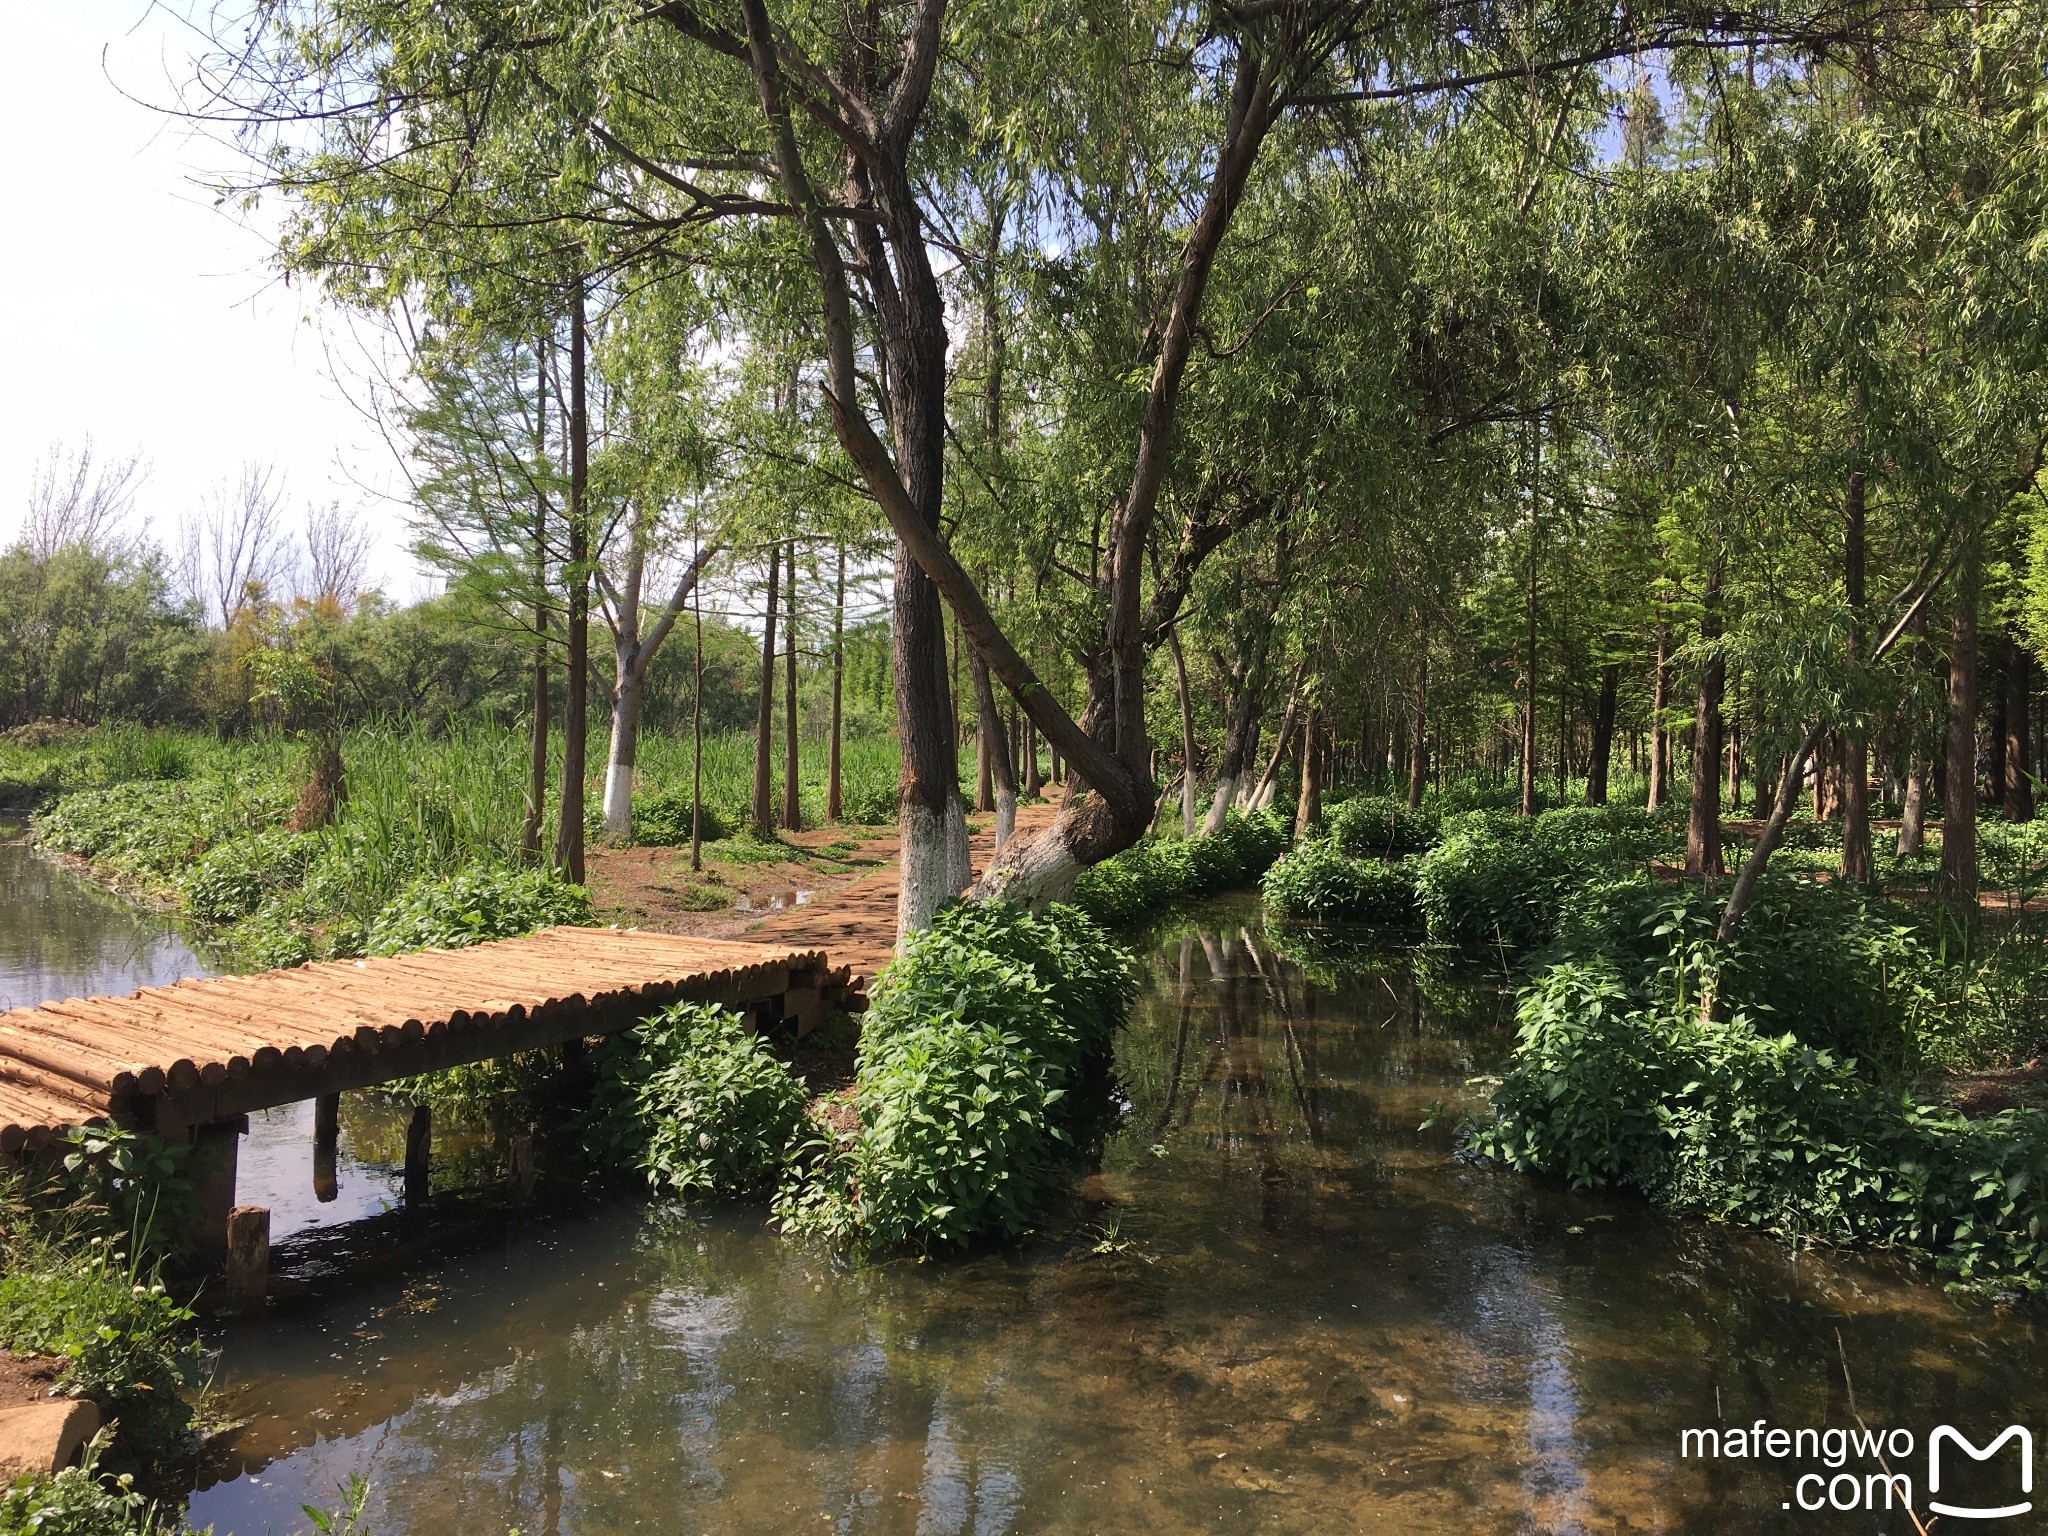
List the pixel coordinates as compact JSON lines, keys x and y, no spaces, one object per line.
{"x":491,"y":903}
{"x":1143,"y":881}
{"x":1380,"y":825}
{"x":152,"y":830}
{"x":126,"y":1344}
{"x":1316,"y":880}
{"x":1720,"y":1118}
{"x":1819,"y":960}
{"x":696,"y":1101}
{"x":663,"y":819}
{"x":984,"y":1064}
{"x":235,"y":878}
{"x":1503,"y":880}
{"x":121,"y":753}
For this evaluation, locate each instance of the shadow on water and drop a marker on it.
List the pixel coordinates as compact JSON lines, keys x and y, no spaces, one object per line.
{"x":1277,"y":1304}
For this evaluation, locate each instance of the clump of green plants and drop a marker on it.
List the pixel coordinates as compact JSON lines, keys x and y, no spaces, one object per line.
{"x":449,"y":912}
{"x":82,"y":1243}
{"x":698,"y":1103}
{"x":236,"y":878}
{"x":81,"y":1501}
{"x":1317,"y":880}
{"x":983,"y":1069}
{"x":1826,"y":963}
{"x":1143,"y":881}
{"x":1502,"y":881}
{"x":1742,"y":1123}
{"x":662,"y":819}
{"x":1380,"y":826}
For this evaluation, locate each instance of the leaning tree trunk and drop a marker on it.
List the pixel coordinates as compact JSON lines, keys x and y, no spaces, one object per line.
{"x":1959,"y":781}
{"x":1187,"y":738}
{"x":1237,"y":738}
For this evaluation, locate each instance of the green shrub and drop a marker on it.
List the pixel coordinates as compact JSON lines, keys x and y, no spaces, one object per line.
{"x":663,"y":819}
{"x":234,"y":878}
{"x":1381,"y":826}
{"x":448,"y":912}
{"x":697,"y":1102}
{"x":1503,"y":880}
{"x":1316,"y":880}
{"x":1819,"y":960}
{"x":121,"y":753}
{"x":984,"y":1065}
{"x":153,"y":830}
{"x":126,"y":1344}
{"x":1143,"y":881}
{"x":1720,"y":1118}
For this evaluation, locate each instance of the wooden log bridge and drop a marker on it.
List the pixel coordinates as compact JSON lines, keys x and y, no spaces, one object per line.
{"x":190,"y":1061}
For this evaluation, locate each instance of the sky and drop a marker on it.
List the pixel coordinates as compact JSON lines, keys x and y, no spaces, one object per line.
{"x":144,"y":317}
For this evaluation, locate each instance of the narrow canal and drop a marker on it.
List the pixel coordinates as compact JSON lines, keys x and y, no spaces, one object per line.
{"x":1280,"y":1304}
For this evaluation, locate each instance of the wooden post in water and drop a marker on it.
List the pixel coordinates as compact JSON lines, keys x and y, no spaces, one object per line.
{"x":216,"y":1151}
{"x":248,"y":1262}
{"x":519,"y":1165}
{"x":326,"y":1138}
{"x":419,"y":1139}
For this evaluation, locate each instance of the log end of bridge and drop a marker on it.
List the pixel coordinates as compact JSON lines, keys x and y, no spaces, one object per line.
{"x":168,"y":1058}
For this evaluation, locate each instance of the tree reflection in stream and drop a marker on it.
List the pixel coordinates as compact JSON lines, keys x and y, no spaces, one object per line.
{"x":1277,"y":1304}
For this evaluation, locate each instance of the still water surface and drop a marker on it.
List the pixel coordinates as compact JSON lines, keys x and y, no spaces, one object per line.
{"x":1279,"y":1305}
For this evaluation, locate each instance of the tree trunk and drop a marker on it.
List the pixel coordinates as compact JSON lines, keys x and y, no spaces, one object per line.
{"x":835,"y":800}
{"x":1529,"y":658}
{"x":1262,"y":794}
{"x":697,"y":732}
{"x":627,"y":695}
{"x":576,"y":689}
{"x":537,"y":766}
{"x":1187,"y":737}
{"x":994,"y":753}
{"x":1959,"y":782}
{"x":1703,"y":826}
{"x":1603,"y":735}
{"x":2019,"y":699}
{"x":764,"y":711}
{"x":792,"y":734}
{"x":1418,"y":746}
{"x":1034,"y":782}
{"x":1308,"y":811}
{"x":1238,"y":736}
{"x":1855,"y":746}
{"x":1913,"y":805}
{"x":1660,"y":739}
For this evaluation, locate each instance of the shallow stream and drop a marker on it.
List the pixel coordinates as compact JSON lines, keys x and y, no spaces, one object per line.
{"x":1279,"y":1304}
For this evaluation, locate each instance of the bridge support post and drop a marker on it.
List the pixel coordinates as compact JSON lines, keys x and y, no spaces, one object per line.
{"x":248,"y":1234}
{"x":419,"y":1140}
{"x":216,"y":1152}
{"x":519,"y":1165}
{"x":326,"y":1137}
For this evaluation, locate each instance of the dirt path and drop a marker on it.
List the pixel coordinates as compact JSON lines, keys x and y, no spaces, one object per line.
{"x":834,"y":888}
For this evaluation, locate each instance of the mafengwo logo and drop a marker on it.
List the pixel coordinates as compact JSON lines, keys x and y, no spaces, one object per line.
{"x":1873,"y":1469}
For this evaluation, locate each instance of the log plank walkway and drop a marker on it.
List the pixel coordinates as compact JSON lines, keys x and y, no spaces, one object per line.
{"x":168,"y":1059}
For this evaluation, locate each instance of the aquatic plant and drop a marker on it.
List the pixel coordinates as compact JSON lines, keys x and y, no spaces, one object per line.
{"x":1368,"y":826}
{"x":1745,"y":1124}
{"x":697,"y":1102}
{"x":1144,"y":881}
{"x":1315,"y":879}
{"x":983,"y":1068}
